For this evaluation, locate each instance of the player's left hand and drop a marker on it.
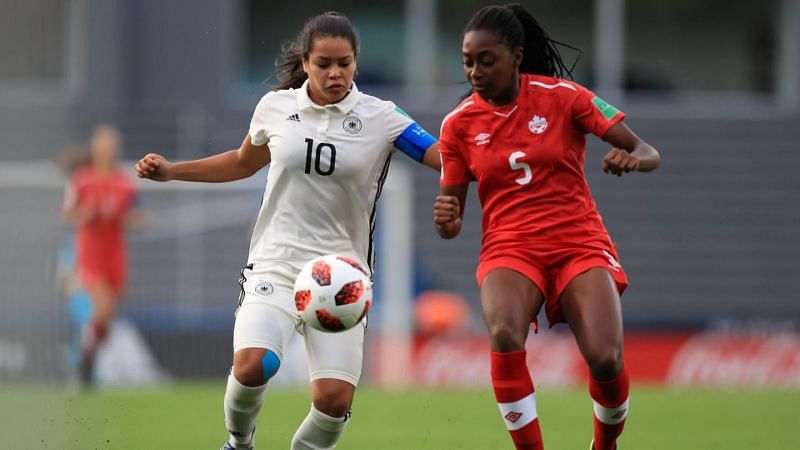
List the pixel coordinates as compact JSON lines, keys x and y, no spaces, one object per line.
{"x":618,"y":161}
{"x":447,"y":216}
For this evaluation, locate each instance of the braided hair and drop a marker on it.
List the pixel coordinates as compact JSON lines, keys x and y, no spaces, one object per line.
{"x":517,"y":27}
{"x":289,"y":71}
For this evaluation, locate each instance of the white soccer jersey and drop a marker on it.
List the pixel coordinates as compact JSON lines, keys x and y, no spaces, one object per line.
{"x":328,"y":166}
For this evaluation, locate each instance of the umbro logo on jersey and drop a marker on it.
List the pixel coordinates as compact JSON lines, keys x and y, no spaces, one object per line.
{"x":537,"y":125}
{"x":482,"y":138}
{"x":294,"y":118}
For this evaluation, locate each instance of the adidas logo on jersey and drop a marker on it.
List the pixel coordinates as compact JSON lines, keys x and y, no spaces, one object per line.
{"x":294,"y":117}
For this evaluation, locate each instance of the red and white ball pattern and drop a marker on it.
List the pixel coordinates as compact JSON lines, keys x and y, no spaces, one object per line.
{"x":332,"y":293}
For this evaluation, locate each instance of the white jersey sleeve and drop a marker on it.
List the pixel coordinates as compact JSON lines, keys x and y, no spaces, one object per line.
{"x":259,"y":134}
{"x":405,"y":134}
{"x":396,"y":121}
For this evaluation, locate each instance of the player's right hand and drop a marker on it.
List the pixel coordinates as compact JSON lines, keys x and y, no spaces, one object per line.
{"x":154,"y":167}
{"x":447,"y":216}
{"x":618,"y":161}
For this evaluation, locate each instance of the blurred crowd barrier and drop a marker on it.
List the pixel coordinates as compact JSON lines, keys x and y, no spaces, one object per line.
{"x":710,"y":358}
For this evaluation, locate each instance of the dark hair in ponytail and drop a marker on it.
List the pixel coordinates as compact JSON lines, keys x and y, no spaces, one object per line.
{"x":290,"y":72}
{"x":517,"y":27}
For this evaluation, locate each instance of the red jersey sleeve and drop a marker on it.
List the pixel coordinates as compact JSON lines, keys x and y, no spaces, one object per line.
{"x":455,"y":169}
{"x":593,"y":114}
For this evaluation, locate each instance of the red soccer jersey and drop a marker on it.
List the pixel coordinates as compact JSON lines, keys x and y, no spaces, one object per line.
{"x":528,"y":158}
{"x":100,"y":243}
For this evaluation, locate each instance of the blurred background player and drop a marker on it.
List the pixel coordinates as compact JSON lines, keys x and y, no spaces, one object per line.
{"x":521,"y":135}
{"x":69,"y":162}
{"x":101,"y":201}
{"x":328,"y":147}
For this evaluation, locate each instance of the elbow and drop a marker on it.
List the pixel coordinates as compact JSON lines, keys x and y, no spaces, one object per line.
{"x":655,"y":160}
{"x":650,"y":159}
{"x":250,"y":171}
{"x":246,"y":169}
{"x":250,"y":159}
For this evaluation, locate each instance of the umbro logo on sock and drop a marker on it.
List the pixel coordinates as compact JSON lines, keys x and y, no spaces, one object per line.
{"x":294,"y":118}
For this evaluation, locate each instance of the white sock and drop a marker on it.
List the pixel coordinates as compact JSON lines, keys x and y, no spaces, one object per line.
{"x":318,"y":431}
{"x":242,"y":404}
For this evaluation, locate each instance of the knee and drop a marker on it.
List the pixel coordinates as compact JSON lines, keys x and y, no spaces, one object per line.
{"x":270,"y":363}
{"x":506,"y":338}
{"x":334,"y":404}
{"x":255,"y":368}
{"x":248,"y":372}
{"x":605,"y":364}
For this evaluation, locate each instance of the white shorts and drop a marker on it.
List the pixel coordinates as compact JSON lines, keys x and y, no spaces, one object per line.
{"x":267,"y":318}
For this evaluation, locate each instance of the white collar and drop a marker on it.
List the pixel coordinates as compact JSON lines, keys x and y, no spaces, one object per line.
{"x":344,"y":105}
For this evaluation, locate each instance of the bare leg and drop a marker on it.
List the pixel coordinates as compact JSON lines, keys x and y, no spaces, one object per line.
{"x":591,"y":306}
{"x":510,"y":301}
{"x":105,"y":303}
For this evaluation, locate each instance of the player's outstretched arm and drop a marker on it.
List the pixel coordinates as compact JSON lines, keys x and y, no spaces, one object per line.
{"x":448,"y":210}
{"x":629,"y":153}
{"x":228,"y":166}
{"x":432,"y":158}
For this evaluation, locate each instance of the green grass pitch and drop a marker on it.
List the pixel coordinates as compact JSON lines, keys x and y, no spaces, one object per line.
{"x":189,"y":416}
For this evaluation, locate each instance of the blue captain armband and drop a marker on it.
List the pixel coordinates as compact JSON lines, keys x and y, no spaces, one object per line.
{"x":414,"y":141}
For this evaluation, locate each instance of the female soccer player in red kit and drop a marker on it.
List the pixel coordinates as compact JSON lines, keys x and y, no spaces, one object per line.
{"x":521,"y":135}
{"x":103,"y":203}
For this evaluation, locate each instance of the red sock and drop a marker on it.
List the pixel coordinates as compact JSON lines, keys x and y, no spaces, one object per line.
{"x":610,"y":409}
{"x":100,"y":331}
{"x":515,"y":395}
{"x":93,"y":335}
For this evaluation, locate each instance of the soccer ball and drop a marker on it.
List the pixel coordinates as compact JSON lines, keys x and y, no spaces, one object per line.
{"x":332,"y":293}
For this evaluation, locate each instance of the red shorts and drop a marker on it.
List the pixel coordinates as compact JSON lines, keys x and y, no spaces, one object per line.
{"x":110,"y":271}
{"x":551,"y":269}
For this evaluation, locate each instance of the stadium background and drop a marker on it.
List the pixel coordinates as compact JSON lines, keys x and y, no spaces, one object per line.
{"x":711,"y":241}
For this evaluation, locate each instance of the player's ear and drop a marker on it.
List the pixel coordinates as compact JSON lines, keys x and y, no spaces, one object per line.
{"x":304,"y":61}
{"x":516,"y":55}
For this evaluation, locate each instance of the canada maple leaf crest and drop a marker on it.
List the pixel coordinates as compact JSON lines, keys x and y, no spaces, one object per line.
{"x":537,"y":125}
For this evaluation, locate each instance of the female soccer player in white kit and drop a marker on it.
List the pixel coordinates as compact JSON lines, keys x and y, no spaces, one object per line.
{"x":329,"y":148}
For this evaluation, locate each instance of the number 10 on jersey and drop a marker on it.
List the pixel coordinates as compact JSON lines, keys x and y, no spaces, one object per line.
{"x":316,"y":155}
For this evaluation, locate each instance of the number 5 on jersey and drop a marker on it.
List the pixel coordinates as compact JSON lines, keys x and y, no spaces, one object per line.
{"x":513,"y":160}
{"x":317,"y":156}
